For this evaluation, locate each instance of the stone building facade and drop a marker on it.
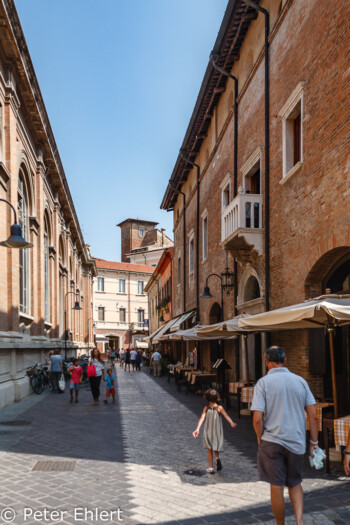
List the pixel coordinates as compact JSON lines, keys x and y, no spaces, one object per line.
{"x":34,"y":281}
{"x":120,"y":304}
{"x":266,"y":178}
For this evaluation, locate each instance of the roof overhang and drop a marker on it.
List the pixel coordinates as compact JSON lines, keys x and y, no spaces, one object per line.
{"x":234,"y":27}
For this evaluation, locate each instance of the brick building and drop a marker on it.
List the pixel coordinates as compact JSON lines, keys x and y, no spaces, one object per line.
{"x":159,"y":290}
{"x":264,"y":171}
{"x":120,"y":304}
{"x":35,"y":282}
{"x":142,"y":242}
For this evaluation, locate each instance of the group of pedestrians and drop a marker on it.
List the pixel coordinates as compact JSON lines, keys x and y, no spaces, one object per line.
{"x":131,"y":359}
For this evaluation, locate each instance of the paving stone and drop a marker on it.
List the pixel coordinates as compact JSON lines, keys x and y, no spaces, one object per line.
{"x":133,"y":455}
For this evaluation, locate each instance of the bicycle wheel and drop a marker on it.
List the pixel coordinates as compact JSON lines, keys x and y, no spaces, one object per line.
{"x":37,"y":383}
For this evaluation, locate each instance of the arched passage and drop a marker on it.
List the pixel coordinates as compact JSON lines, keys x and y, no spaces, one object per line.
{"x":331,"y":271}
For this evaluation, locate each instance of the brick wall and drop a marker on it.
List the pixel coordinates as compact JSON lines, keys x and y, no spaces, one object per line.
{"x":309,"y":219}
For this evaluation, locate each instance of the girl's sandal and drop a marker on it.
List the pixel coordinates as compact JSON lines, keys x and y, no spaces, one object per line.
{"x":210,"y":471}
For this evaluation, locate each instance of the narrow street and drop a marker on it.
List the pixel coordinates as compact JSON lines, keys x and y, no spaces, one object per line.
{"x":133,"y":456}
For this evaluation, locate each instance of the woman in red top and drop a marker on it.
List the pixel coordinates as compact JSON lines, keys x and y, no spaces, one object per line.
{"x":75,"y":379}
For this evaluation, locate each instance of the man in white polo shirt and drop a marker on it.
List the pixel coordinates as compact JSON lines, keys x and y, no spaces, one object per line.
{"x":156,"y":362}
{"x":279,"y":404}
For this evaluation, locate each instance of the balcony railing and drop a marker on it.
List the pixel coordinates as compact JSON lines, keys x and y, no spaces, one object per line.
{"x":243,"y":216}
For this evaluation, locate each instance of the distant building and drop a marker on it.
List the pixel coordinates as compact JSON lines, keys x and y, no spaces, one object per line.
{"x":160,"y":291}
{"x":142,"y":242}
{"x":120,"y":304}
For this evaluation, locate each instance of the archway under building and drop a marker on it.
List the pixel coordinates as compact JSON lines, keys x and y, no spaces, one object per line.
{"x":251,"y":301}
{"x":331,"y":271}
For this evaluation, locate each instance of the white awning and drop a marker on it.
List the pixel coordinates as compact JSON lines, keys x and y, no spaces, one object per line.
{"x":141,"y":344}
{"x":177,"y":325}
{"x":164,"y":329}
{"x":100,"y":337}
{"x":192,"y":335}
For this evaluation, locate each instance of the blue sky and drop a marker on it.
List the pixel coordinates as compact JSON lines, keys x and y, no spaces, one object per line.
{"x":119,"y":79}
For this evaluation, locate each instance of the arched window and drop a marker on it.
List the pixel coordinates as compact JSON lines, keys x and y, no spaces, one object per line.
{"x":252,"y":289}
{"x":47,"y":269}
{"x":23,"y":253}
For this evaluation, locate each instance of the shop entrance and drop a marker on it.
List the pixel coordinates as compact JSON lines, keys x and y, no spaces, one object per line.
{"x":113,"y":342}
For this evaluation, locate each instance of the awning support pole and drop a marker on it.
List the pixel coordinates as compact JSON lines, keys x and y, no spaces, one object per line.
{"x":330,"y":330}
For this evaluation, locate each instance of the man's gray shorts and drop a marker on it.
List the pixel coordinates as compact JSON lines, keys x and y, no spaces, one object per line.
{"x":278,"y":466}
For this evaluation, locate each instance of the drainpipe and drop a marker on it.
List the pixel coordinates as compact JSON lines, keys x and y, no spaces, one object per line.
{"x":267,"y":151}
{"x":184,"y":241}
{"x":182,"y":152}
{"x":214,"y":57}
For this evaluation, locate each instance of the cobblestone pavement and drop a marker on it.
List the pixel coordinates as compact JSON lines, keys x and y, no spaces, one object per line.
{"x":134,"y":456}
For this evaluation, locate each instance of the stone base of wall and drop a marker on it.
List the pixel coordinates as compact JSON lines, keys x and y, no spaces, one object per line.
{"x":17,"y":357}
{"x":14,"y":390}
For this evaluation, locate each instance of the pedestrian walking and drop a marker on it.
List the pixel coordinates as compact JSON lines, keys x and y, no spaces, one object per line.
{"x":133,"y":355}
{"x":279,"y":404}
{"x":108,"y":353}
{"x":56,"y":370}
{"x":95,"y":381}
{"x":113,"y":356}
{"x":156,"y":361}
{"x":127,"y":359}
{"x":48,"y":363}
{"x":75,"y":379}
{"x":138,"y":360}
{"x":213,"y":434}
{"x":122,"y":357}
{"x":110,"y":388}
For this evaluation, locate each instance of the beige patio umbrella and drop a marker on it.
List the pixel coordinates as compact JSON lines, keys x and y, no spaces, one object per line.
{"x":327,"y":311}
{"x":192,"y":334}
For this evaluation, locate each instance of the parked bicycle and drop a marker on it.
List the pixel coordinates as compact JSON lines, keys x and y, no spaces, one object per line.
{"x":39,"y":377}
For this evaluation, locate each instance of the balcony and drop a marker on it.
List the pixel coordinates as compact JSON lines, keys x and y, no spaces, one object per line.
{"x":241,"y":226}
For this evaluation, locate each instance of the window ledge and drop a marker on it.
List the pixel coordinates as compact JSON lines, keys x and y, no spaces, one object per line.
{"x":100,"y":291}
{"x":141,"y":294}
{"x":122,"y":293}
{"x":292,"y":172}
{"x":26,"y":319}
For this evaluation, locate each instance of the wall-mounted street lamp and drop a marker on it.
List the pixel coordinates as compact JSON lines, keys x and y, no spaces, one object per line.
{"x":227,"y":284}
{"x":75,"y":307}
{"x":16,"y":239}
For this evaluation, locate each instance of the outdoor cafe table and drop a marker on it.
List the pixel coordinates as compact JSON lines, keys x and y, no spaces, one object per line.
{"x":233,"y":388}
{"x":320,"y":409}
{"x":341,"y":427}
{"x":247,"y":393}
{"x":200,"y":376}
{"x":341,"y":430}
